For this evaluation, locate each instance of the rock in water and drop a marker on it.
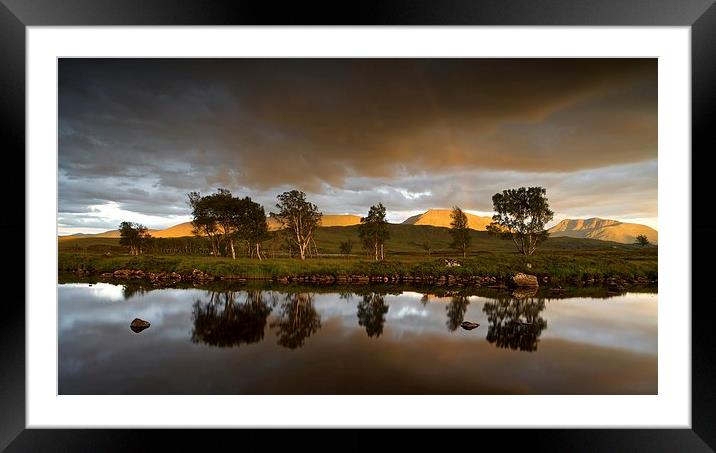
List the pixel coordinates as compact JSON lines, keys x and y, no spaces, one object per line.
{"x":524,"y":280}
{"x":137,"y":325}
{"x":467,"y":325}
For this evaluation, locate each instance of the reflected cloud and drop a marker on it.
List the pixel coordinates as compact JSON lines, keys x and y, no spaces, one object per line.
{"x":103,"y":292}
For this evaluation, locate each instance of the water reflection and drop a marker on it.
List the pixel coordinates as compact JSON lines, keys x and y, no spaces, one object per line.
{"x":231,"y":317}
{"x":371,"y":313}
{"x":515,"y":322}
{"x":255,"y":339}
{"x":129,"y":291}
{"x":222,"y":321}
{"x":456,"y":310}
{"x":297,"y":320}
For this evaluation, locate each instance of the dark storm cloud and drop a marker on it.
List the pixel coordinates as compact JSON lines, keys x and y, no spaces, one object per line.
{"x":79,"y":195}
{"x":142,"y":133}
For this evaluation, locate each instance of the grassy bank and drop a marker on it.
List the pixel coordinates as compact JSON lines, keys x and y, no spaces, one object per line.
{"x":559,"y":266}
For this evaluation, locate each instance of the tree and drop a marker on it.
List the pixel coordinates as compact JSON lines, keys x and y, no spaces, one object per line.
{"x":373,"y":231}
{"x":134,"y":236}
{"x":222,"y":215}
{"x":298,"y":218}
{"x":459,"y":230}
{"x":346,"y":248}
{"x":642,"y":240}
{"x":225,"y":209}
{"x":203,"y":222}
{"x":521,"y":216}
{"x":427,"y":247}
{"x":251,"y":225}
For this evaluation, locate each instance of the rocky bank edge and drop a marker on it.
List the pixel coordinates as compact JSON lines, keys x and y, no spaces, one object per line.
{"x":516,"y":280}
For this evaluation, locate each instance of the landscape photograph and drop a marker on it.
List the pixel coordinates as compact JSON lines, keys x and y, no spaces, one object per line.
{"x":357,"y":226}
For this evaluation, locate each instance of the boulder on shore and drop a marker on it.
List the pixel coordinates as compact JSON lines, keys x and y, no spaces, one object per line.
{"x":128,"y":273}
{"x":196,"y":274}
{"x":524,"y":280}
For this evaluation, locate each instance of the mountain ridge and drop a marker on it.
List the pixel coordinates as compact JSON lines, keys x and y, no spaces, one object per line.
{"x":442,"y":218}
{"x":591,"y":228}
{"x":603,"y":229}
{"x":185,"y":229}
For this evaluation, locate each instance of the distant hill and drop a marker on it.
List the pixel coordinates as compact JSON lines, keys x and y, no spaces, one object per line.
{"x":409,"y":239}
{"x":595,"y":228}
{"x":185,"y":229}
{"x":441,"y":218}
{"x":76,"y":236}
{"x":177,"y":231}
{"x":603,"y":229}
{"x":404,"y":239}
{"x":328,"y":220}
{"x":331,"y":220}
{"x":105,"y":234}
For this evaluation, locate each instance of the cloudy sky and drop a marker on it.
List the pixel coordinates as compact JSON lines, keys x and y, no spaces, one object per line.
{"x":135,"y":135}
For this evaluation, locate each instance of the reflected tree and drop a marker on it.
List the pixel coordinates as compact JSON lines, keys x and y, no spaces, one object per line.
{"x":515,"y":323}
{"x":371,"y":313}
{"x":297,"y":320}
{"x":130,"y":290}
{"x":222,"y":321}
{"x":456,"y":310}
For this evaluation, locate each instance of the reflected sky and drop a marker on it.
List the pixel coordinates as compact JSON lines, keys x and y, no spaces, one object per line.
{"x":263,"y":342}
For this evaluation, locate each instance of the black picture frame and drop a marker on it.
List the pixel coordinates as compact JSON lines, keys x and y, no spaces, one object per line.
{"x":699,"y":15}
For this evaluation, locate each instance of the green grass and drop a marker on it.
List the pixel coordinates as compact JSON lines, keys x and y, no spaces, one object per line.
{"x":562,"y":259}
{"x":408,"y":239}
{"x":559,"y":266}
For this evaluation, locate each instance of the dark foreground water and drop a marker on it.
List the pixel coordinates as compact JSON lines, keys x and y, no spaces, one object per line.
{"x":271,"y":341}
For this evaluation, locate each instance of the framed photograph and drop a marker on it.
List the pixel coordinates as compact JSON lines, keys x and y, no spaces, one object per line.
{"x":465,"y":216}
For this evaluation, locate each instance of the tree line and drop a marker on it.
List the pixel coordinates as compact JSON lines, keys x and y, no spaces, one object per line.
{"x":227,"y":222}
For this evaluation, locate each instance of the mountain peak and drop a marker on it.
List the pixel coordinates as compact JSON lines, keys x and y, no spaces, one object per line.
{"x":604,"y":229}
{"x":442,"y":218}
{"x":581,"y":224}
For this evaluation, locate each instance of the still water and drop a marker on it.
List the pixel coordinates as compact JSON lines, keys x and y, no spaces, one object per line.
{"x":275,"y":340}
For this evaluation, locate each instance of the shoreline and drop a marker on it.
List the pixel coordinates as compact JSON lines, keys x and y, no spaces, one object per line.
{"x":448,"y":280}
{"x":490,"y":291}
